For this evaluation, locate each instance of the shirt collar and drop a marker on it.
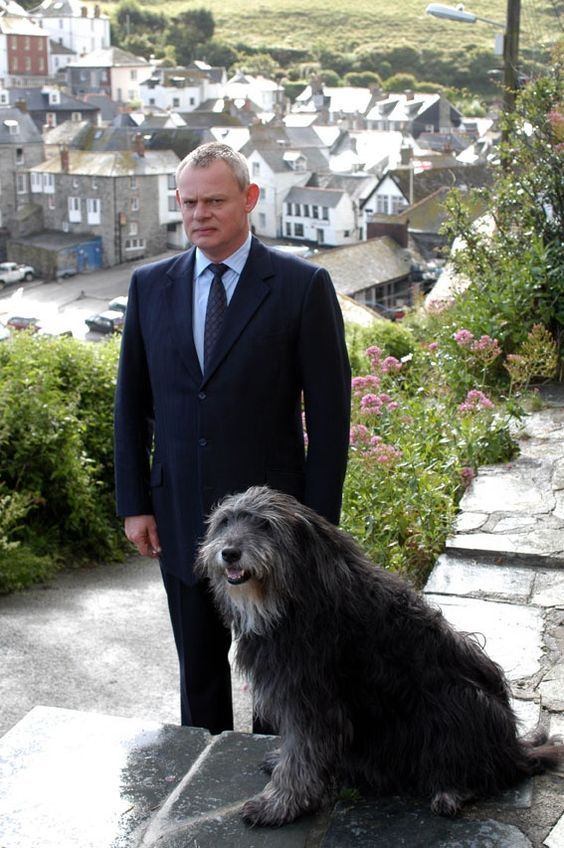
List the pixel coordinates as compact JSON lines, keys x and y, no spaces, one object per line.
{"x":236,"y":261}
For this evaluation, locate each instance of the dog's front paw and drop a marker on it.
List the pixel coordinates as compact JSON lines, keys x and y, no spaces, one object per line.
{"x":266,"y":810}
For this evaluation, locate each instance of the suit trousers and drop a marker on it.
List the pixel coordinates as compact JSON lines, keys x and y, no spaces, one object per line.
{"x":202,"y":643}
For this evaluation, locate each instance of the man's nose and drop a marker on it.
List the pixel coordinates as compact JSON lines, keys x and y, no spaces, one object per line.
{"x":201,"y":210}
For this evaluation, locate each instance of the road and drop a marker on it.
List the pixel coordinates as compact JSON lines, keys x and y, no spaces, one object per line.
{"x":65,"y":304}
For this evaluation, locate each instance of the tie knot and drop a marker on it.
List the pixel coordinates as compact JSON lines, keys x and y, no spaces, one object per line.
{"x":218,"y":269}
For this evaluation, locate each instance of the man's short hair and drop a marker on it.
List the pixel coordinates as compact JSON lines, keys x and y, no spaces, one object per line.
{"x":213,"y":151}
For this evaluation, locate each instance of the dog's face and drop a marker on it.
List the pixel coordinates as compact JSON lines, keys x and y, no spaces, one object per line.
{"x":243,"y":555}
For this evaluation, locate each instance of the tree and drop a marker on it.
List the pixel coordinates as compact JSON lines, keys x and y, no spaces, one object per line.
{"x":186,"y":31}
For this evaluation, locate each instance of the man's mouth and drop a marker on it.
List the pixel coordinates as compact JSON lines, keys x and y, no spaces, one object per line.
{"x":236,"y":576}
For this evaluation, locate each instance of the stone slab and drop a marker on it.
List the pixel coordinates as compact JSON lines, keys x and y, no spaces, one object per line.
{"x":549,"y":589}
{"x":555,"y":838}
{"x":470,"y":577}
{"x":492,"y":621}
{"x":543,"y":544}
{"x":396,"y":823}
{"x":507,"y":488}
{"x":81,"y":780}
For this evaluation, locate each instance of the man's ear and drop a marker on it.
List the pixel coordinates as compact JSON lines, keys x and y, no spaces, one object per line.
{"x":253,"y":194}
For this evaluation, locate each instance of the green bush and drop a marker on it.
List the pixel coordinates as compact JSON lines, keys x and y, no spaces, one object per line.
{"x":56,"y":467}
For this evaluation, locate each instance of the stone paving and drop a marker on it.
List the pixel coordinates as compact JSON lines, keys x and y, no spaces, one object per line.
{"x":73,"y":778}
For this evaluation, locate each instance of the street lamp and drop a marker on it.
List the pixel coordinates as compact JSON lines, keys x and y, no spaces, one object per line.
{"x":510,"y":40}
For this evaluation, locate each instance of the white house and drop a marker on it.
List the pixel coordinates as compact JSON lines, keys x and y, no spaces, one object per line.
{"x":79,"y":27}
{"x":265,"y":93}
{"x":275,"y":171}
{"x":112,"y":71}
{"x":182,"y":89}
{"x":325,"y":216}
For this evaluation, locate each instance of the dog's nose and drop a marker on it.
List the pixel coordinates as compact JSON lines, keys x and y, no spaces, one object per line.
{"x":231,"y":554}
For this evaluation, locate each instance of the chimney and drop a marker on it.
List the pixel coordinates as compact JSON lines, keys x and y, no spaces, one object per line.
{"x":65,"y":159}
{"x":409,"y":95}
{"x":84,"y":11}
{"x":96,"y":11}
{"x":21,"y":105}
{"x":139,"y":144}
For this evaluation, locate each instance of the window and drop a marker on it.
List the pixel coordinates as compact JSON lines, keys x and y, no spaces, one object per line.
{"x":28,"y":63}
{"x":19,"y":156}
{"x":299,"y":230}
{"x":262,"y":220}
{"x":76,"y":117}
{"x":306,"y":210}
{"x":135,"y":244}
{"x":288,"y":209}
{"x":289,"y":230}
{"x":133,"y":183}
{"x":93,"y":210}
{"x":51,"y":119}
{"x":325,"y":213}
{"x":397,"y":204}
{"x":133,"y":74}
{"x":255,"y":169}
{"x":263,"y":194}
{"x":26,"y":43}
{"x":75,"y":215}
{"x":134,"y":204}
{"x":21,"y":184}
{"x":172,"y":205}
{"x":171,"y":182}
{"x":175,"y":102}
{"x":49,"y":183}
{"x":51,"y":201}
{"x":133,"y":228}
{"x":36,"y":183}
{"x":94,"y":183}
{"x":297,"y":209}
{"x":382,"y":204}
{"x":75,"y":182}
{"x":315,"y":211}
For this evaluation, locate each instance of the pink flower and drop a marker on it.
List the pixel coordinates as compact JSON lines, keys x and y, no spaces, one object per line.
{"x":474,"y":401}
{"x":359,"y":435}
{"x":383,"y":453}
{"x":464,"y":338}
{"x":390,"y":363}
{"x":361,"y":384}
{"x":467,"y":474}
{"x":433,"y":346}
{"x":486,"y":348}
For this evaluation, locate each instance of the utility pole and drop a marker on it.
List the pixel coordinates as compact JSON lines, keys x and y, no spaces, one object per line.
{"x":510,"y":54}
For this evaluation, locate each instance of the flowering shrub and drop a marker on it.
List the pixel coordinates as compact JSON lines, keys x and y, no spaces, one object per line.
{"x":415,"y":445}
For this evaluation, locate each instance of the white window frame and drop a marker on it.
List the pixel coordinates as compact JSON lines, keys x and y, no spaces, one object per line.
{"x":49,"y":183}
{"x":93,"y":210}
{"x":75,"y":211}
{"x":36,"y":181}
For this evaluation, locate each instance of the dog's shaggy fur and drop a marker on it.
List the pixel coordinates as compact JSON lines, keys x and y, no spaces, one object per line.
{"x":364,"y":679}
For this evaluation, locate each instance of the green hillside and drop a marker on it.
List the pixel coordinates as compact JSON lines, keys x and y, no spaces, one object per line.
{"x":376,"y":35}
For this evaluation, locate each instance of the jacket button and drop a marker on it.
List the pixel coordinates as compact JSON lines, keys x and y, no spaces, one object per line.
{"x":202,"y":442}
{"x":202,"y":396}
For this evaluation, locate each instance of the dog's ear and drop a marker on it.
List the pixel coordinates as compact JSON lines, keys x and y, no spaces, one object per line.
{"x":323,"y":554}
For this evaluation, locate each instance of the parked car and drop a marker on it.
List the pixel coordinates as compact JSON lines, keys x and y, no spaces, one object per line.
{"x":11,"y":272}
{"x":21,"y":322}
{"x":4,"y":332}
{"x":393,"y":313}
{"x":110,"y":321}
{"x":118,"y":304}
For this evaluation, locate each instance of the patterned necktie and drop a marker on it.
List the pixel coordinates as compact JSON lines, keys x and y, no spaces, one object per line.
{"x":215,"y":312}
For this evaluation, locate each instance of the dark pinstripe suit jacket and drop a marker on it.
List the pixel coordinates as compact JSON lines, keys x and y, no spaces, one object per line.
{"x":184,"y":439}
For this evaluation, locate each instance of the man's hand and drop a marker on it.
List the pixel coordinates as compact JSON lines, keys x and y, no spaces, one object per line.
{"x":142,"y":531}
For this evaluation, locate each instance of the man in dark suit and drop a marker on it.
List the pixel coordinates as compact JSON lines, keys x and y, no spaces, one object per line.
{"x":192,"y":425}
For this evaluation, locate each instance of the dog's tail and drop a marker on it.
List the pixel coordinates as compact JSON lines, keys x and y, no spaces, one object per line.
{"x":542,"y":752}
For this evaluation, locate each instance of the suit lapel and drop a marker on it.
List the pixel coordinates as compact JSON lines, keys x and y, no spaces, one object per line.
{"x":250,"y":292}
{"x":179,"y":294}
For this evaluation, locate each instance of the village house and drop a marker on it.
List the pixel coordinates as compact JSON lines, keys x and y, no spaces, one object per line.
{"x":21,"y":147}
{"x":78,"y":27}
{"x":182,"y":89}
{"x":110,"y":71}
{"x":413,"y":114}
{"x":24,"y":51}
{"x":49,"y":106}
{"x":375,"y":273}
{"x":101,"y":194}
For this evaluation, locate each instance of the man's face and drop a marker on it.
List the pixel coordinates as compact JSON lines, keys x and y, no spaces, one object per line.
{"x":215,"y":209}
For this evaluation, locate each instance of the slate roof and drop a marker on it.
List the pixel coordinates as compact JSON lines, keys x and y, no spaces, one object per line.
{"x":316,"y":196}
{"x":28,"y":133}
{"x":119,"y":164}
{"x":428,"y":182}
{"x":37,"y":101}
{"x":109,"y":57}
{"x":15,"y":25}
{"x":60,"y":9}
{"x":361,"y":266}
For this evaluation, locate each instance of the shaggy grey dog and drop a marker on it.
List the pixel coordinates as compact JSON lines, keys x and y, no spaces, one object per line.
{"x":364,"y":679}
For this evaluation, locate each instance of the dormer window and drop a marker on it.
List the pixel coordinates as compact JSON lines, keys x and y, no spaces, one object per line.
{"x":13,"y":126}
{"x":4,"y":98}
{"x":54,"y":97}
